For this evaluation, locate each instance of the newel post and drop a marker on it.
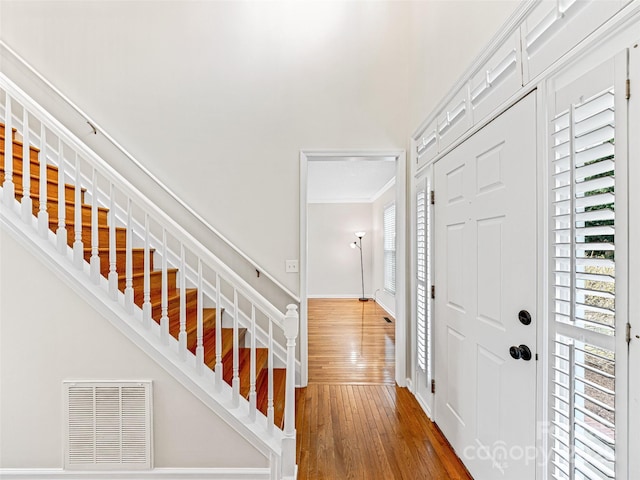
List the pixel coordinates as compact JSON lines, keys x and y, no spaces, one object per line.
{"x":291,"y":321}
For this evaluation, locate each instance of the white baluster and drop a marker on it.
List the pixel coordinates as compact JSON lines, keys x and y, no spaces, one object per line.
{"x":95,"y":245}
{"x":199,"y":332}
{"x":200,"y":312}
{"x":146,"y":301}
{"x":78,"y":246}
{"x":218,"y":368}
{"x":164,"y":301}
{"x":7,"y":186}
{"x":43,"y":214}
{"x":270,"y":411}
{"x":252,"y":374}
{"x":182,"y":336}
{"x":61,"y":232}
{"x":26,"y":204}
{"x":291,"y":321}
{"x":128,"y":282}
{"x":235,"y":382}
{"x":113,"y":273}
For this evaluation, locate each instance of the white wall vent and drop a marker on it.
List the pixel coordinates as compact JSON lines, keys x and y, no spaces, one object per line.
{"x":107,"y":425}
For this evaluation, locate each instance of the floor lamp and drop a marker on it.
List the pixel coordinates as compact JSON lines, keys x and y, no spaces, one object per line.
{"x":354,"y":245}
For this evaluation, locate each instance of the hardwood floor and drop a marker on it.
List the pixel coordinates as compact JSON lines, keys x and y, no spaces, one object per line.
{"x":352,"y":421}
{"x":350,"y":342}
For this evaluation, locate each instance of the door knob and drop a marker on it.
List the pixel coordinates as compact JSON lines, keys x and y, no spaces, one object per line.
{"x":524,"y":317}
{"x":522,"y":352}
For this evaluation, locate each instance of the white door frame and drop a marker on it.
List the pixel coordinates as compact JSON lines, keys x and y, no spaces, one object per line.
{"x":634,"y":263}
{"x":401,"y":265}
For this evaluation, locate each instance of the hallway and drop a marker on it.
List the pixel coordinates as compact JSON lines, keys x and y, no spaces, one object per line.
{"x":352,"y":421}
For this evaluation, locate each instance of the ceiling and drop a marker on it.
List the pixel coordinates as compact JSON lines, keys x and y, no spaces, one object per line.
{"x":348,"y":179}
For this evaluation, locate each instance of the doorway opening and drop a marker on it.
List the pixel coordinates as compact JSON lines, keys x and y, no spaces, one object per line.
{"x":339,"y":199}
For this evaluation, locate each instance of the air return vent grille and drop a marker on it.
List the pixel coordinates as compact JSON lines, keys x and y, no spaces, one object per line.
{"x":107,"y":425}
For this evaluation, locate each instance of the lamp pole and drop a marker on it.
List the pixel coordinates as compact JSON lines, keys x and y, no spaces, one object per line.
{"x":354,"y":244}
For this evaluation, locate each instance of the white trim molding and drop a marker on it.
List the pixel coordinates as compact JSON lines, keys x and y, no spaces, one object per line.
{"x":155,"y":473}
{"x":401,"y":238}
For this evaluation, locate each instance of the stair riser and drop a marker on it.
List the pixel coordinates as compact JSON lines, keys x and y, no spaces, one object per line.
{"x":227,"y":343}
{"x":17,"y":150}
{"x":155,"y":285}
{"x":52,"y":209}
{"x":2,"y":127}
{"x":103,"y":235}
{"x":173,"y":305}
{"x":52,"y":171}
{"x":52,"y":189}
{"x":208,"y":323}
{"x":137,"y":258}
{"x":244,"y":363}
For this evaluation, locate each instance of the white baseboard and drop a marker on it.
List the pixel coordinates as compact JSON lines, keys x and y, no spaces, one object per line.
{"x":155,"y":473}
{"x":409,"y":384}
{"x":340,"y":296}
{"x":386,"y":309}
{"x":425,"y":407}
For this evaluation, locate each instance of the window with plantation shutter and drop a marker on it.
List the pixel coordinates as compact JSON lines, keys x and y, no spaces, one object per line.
{"x":389,"y":241}
{"x":422,"y":313}
{"x":583,"y":287}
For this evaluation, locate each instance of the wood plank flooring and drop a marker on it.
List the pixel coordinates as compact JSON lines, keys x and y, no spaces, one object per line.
{"x":350,"y":342}
{"x":352,"y":421}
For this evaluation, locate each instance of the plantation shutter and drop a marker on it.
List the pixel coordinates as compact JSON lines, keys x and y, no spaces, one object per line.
{"x":583,"y":286}
{"x":421,"y":287}
{"x":389,"y":228}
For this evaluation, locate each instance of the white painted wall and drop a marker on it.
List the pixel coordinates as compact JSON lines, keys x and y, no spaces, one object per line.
{"x":446,"y":37}
{"x":55,"y":336}
{"x":383,"y":297}
{"x":217,"y":98}
{"x":334,"y":267}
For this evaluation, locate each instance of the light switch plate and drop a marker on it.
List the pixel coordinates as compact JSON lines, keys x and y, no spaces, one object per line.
{"x":291,"y":266}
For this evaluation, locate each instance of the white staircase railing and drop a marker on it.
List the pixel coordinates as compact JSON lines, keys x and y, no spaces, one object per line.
{"x":15,"y":57}
{"x":139,"y":232}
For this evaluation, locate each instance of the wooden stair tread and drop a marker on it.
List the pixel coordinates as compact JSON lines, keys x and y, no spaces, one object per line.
{"x":34,"y":193}
{"x":190,"y":292}
{"x":155,"y":273}
{"x":85,"y":225}
{"x":122,"y":250}
{"x":54,"y":200}
{"x":52,"y":181}
{"x":16,"y":142}
{"x":208,"y":318}
{"x":279,"y":387}
{"x":2,"y":130}
{"x":17,"y":148}
{"x":244,"y":367}
{"x":34,"y":171}
{"x":209,"y":343}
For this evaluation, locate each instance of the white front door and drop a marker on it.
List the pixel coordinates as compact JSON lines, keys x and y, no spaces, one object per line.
{"x":485,"y":296}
